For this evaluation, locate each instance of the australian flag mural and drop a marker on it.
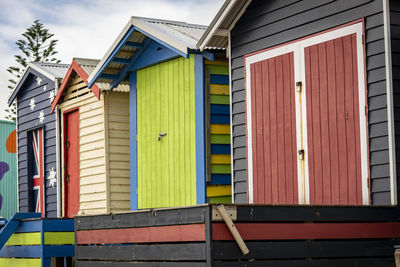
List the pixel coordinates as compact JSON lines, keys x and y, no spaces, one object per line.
{"x":38,"y":170}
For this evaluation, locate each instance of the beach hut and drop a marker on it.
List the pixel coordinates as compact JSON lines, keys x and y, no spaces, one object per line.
{"x":179,"y":113}
{"x":37,"y":138}
{"x":288,"y":208}
{"x":8,"y":169}
{"x":95,"y":143}
{"x":313,"y":95}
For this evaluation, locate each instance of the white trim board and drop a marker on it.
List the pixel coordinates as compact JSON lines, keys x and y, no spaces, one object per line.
{"x":298,"y":49}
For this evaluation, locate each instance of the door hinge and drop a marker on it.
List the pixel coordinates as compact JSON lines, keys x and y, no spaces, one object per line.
{"x":299,"y":86}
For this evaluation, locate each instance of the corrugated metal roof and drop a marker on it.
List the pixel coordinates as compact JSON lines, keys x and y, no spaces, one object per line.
{"x":55,"y":70}
{"x":184,"y":32}
{"x":181,"y":36}
{"x":216,"y":34}
{"x":88,"y":65}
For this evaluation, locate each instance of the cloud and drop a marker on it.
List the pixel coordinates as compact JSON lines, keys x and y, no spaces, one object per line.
{"x":86,"y":28}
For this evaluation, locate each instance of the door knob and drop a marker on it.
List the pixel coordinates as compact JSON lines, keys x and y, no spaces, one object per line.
{"x":161,"y":135}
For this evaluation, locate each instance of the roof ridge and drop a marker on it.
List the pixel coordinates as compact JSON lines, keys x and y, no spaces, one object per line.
{"x":179,"y":23}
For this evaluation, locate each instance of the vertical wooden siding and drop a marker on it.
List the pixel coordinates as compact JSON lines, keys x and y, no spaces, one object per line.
{"x":219,"y":165}
{"x":274,"y":131}
{"x":165,"y":103}
{"x":8,"y":169}
{"x":118,"y":150}
{"x":333,"y":122}
{"x":92,"y":169}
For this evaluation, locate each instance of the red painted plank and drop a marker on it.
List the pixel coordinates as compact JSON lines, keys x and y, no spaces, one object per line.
{"x":333,"y":128}
{"x":173,"y":233}
{"x":71,"y":177}
{"x":296,"y":231}
{"x":274,"y":131}
{"x":333,"y":123}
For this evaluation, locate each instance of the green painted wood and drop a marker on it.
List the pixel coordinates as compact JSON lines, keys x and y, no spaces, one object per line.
{"x":165,"y":103}
{"x":220,"y":168}
{"x":223,"y":199}
{"x":219,"y":99}
{"x":218,"y":69}
{"x":220,"y":139}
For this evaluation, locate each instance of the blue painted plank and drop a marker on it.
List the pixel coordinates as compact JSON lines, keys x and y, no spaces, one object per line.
{"x":109,"y":76}
{"x":113,"y":54}
{"x":124,"y":72}
{"x":59,"y":250}
{"x":132,"y":138}
{"x":220,"y":119}
{"x":219,"y":79}
{"x":58,"y":225}
{"x":121,"y":60}
{"x":133,"y":44}
{"x":219,"y":109}
{"x":221,"y":179}
{"x":29,"y":226}
{"x":200,"y":130}
{"x":154,"y":53}
{"x":21,"y":252}
{"x":220,"y":149}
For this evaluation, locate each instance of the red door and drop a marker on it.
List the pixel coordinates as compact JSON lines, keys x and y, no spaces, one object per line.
{"x":71,"y":156}
{"x":274,"y":131}
{"x":333,"y":122}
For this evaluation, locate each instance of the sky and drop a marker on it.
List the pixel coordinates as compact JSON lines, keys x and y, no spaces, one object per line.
{"x":85,"y":28}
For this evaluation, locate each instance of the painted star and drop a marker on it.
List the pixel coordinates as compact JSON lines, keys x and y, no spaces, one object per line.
{"x":38,"y":81}
{"x":44,"y":88}
{"x":52,"y":177}
{"x":51,"y":96}
{"x":32,"y":103}
{"x":41,"y":116}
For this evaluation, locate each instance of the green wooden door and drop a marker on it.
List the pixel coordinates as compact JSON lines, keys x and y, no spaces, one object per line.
{"x":166,"y":104}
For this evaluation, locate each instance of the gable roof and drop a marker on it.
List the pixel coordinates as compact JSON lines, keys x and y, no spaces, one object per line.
{"x":83,"y":67}
{"x":178,"y":36}
{"x":216,"y":34}
{"x":53,"y":71}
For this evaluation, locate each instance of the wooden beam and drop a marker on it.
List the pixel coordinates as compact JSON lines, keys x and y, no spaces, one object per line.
{"x":134,"y":44}
{"x":108,"y":76}
{"x":121,"y":60}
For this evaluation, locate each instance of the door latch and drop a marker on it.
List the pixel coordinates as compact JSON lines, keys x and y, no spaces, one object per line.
{"x":161,"y":135}
{"x":299,"y":87}
{"x":301,"y":154}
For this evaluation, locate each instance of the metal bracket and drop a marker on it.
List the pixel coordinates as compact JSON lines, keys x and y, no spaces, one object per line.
{"x":299,"y":87}
{"x":231,"y":211}
{"x":161,"y":135}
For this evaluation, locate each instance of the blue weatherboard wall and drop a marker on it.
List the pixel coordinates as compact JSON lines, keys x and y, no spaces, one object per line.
{"x":27,"y":120}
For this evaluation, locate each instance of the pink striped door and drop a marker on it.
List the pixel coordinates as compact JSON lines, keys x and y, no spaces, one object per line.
{"x":333,"y":122}
{"x":274,"y":131}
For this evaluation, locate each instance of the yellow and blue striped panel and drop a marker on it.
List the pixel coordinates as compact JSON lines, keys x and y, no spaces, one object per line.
{"x":219,"y":189}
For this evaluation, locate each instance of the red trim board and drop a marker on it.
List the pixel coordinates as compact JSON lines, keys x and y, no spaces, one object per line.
{"x":296,"y":231}
{"x":173,"y":233}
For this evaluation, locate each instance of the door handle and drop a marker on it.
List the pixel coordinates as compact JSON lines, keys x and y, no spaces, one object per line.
{"x":161,"y":135}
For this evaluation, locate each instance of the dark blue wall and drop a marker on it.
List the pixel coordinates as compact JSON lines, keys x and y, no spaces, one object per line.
{"x":27,"y":120}
{"x":268,"y":23}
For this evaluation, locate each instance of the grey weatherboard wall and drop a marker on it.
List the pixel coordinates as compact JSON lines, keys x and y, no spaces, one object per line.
{"x":266,"y":24}
{"x":27,"y":120}
{"x":395,"y":35}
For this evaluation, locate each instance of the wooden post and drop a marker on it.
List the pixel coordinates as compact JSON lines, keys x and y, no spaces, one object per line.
{"x":397,"y":257}
{"x":232,"y":228}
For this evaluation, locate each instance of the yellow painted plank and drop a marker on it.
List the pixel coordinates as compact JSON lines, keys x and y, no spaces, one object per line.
{"x":220,"y":129}
{"x":220,"y":159}
{"x":20,"y":262}
{"x":24,"y":239}
{"x":219,"y":190}
{"x":59,"y":238}
{"x":219,"y":89}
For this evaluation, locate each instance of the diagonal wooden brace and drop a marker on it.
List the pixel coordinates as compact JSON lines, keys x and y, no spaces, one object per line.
{"x":232,"y":228}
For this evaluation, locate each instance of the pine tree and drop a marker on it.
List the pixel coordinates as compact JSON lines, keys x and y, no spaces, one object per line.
{"x":37,"y":45}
